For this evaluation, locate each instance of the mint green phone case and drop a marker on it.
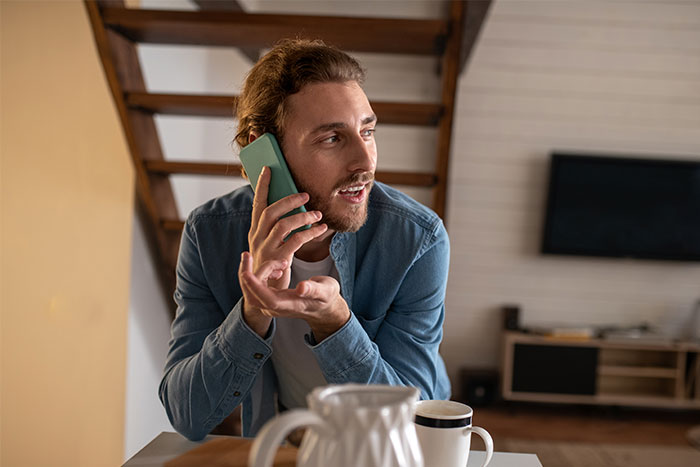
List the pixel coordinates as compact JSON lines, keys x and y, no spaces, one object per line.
{"x":264,"y":151}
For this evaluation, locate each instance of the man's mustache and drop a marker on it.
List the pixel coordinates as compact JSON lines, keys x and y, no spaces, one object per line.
{"x":355,"y":179}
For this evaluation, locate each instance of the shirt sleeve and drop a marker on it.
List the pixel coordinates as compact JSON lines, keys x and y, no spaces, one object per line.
{"x":405,"y":348}
{"x":213,"y":358}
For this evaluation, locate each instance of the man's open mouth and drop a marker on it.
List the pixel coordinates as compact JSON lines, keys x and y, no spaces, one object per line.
{"x":355,"y":193}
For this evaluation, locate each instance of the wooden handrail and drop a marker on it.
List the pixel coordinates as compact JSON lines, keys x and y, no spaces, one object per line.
{"x":238,"y":29}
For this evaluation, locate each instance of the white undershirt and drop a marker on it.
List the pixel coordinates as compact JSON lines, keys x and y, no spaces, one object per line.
{"x":297,"y":370}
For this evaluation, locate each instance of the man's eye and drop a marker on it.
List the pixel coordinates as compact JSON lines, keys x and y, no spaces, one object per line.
{"x":331,"y":139}
{"x":368,"y":133}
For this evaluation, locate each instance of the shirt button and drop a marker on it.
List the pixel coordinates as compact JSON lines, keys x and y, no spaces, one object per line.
{"x":257,"y":356}
{"x":236,"y":393}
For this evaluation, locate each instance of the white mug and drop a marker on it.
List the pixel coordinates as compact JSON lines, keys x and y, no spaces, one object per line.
{"x":444,"y":431}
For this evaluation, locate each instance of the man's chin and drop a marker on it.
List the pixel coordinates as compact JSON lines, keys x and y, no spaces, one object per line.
{"x":346,"y":223}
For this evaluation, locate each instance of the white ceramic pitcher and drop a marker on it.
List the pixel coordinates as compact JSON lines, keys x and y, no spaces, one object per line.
{"x":348,"y":425}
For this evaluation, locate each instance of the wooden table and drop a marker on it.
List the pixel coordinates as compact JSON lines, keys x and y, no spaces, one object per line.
{"x":167,"y":446}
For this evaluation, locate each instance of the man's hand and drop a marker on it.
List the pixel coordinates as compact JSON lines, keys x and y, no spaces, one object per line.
{"x":271,"y":255}
{"x":317,"y":300}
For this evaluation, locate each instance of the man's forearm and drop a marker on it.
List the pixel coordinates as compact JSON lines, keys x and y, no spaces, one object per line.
{"x":200,"y":390}
{"x":351,"y":356}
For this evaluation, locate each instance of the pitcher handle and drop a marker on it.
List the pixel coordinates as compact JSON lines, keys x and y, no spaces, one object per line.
{"x":262,"y":454}
{"x":488,"y":442}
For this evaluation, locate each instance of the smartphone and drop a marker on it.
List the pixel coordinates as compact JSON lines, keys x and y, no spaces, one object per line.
{"x":265,"y":151}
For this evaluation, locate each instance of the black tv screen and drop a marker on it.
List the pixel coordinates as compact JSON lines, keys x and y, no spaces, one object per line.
{"x":623,"y":207}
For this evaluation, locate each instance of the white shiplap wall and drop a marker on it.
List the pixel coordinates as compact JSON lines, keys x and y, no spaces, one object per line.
{"x":611,"y":76}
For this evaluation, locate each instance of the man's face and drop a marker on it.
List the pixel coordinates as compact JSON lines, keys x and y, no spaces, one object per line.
{"x":330,"y":149}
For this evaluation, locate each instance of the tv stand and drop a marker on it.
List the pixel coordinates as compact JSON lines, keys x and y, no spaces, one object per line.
{"x":600,"y":371}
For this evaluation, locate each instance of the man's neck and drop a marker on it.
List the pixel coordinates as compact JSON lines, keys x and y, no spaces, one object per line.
{"x":317,"y":249}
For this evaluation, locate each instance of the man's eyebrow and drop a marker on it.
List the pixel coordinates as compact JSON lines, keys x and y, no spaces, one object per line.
{"x":370,"y":119}
{"x":341,"y":125}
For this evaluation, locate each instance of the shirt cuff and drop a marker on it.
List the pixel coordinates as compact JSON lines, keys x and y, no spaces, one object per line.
{"x":240,"y":344}
{"x":342,"y":350}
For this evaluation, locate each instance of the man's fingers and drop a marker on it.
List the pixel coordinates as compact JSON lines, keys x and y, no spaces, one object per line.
{"x":276,"y":274}
{"x":306,"y":297}
{"x":268,"y":298}
{"x":286,"y":225}
{"x":276,"y":210}
{"x":302,"y":237}
{"x":260,"y":199}
{"x":245,"y":268}
{"x":317,"y":288}
{"x":305,"y":289}
{"x":278,"y":301}
{"x":269,"y":269}
{"x":246,"y":264}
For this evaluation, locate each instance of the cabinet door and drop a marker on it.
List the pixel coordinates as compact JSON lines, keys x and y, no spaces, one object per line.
{"x":554,"y":369}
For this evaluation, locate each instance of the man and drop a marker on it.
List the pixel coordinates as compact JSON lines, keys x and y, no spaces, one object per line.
{"x":358,"y":297}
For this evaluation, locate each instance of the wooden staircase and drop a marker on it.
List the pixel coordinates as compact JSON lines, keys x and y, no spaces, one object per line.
{"x":118,"y":30}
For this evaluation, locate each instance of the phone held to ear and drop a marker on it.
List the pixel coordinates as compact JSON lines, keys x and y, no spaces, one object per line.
{"x":265,"y":151}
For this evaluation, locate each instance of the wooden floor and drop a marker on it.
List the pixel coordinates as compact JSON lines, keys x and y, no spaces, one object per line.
{"x":611,"y":425}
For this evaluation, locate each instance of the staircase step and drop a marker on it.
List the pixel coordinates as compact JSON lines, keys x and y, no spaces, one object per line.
{"x":172,"y":225}
{"x":193,"y":168}
{"x":238,"y":29}
{"x":398,"y":113}
{"x":183,"y":104}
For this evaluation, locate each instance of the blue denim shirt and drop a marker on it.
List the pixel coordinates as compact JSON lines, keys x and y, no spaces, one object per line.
{"x":393,"y":273}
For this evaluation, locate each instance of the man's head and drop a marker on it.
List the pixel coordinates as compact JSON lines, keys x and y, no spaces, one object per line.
{"x":309,"y":96}
{"x":285,"y":70}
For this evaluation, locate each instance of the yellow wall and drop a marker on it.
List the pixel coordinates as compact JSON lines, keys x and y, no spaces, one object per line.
{"x":66,"y":231}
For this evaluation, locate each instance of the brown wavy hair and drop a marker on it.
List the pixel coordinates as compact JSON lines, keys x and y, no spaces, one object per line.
{"x":285,"y":70}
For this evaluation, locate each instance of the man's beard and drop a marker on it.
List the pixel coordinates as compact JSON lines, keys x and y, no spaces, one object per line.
{"x":352,"y":217}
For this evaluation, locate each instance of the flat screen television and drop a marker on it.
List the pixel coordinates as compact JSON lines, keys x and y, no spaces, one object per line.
{"x":623,"y":207}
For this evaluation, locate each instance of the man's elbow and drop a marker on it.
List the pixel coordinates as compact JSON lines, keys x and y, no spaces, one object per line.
{"x":189,"y":431}
{"x":194,"y":430}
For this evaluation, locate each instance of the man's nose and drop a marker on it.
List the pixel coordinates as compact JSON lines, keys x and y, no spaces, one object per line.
{"x":364,"y":156}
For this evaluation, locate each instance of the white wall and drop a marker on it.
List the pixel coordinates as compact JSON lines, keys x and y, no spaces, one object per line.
{"x":149,"y":332}
{"x":588,"y":75}
{"x":580,"y":75}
